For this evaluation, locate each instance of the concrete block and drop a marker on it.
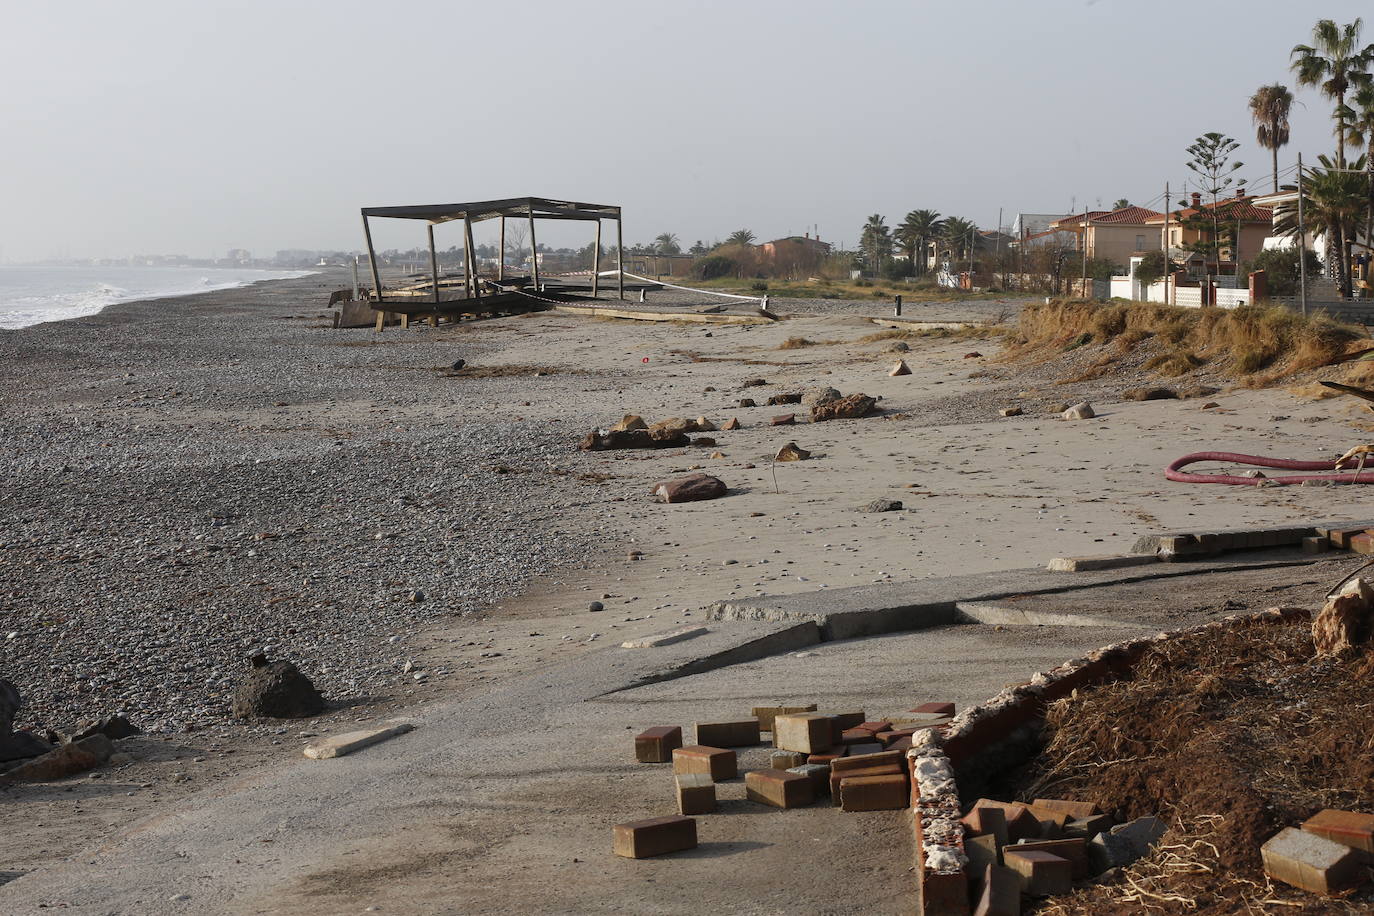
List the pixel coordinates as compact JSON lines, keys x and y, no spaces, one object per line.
{"x":741,"y":733}
{"x":663,"y":639}
{"x":766,"y":714}
{"x":696,"y":793}
{"x":883,"y":769}
{"x":347,"y":743}
{"x":1345,"y":827}
{"x":880,"y":758}
{"x":874,"y":793}
{"x":1041,"y":874}
{"x":1105,"y":561}
{"x":987,"y":821}
{"x":779,"y":788}
{"x":810,"y":733}
{"x":819,"y":774}
{"x":1123,"y":844}
{"x":1074,"y":850}
{"x":656,"y":745}
{"x":1088,"y":827}
{"x":1311,"y":862}
{"x":786,"y":760}
{"x":1315,"y":545}
{"x":845,"y":718}
{"x":716,"y":762}
{"x":1001,"y":894}
{"x":655,"y":836}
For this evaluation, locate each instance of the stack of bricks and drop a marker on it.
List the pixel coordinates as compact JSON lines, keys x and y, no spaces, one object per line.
{"x":1329,"y":855}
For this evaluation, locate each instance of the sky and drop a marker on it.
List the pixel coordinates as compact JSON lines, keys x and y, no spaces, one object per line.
{"x":193,"y":127}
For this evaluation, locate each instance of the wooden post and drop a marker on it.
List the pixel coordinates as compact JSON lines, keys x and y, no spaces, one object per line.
{"x":501,"y":262}
{"x":620,"y":253}
{"x":472,"y":255}
{"x":596,"y":258}
{"x":1168,"y":269}
{"x":434,"y":267}
{"x":534,"y":253}
{"x":372,"y":260}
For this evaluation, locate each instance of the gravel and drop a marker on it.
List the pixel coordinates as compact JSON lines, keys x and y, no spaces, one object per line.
{"x":183,"y":481}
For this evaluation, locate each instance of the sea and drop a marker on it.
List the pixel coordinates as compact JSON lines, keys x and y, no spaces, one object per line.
{"x":29,"y":295}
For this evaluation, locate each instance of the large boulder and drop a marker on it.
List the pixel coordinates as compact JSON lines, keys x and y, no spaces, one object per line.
{"x":821,"y":395}
{"x":276,"y":690}
{"x":112,"y":727}
{"x":848,"y":407}
{"x":16,"y":745}
{"x":67,"y":760}
{"x":690,"y":489}
{"x":601,"y":439}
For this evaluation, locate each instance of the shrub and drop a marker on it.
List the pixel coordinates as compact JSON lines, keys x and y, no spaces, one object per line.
{"x":1281,"y":268}
{"x":713,"y":266}
{"x":759,"y":286}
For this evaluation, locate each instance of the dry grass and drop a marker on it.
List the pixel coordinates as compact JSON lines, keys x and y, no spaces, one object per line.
{"x":1242,"y":342}
{"x":967,"y":332}
{"x":797,"y":343}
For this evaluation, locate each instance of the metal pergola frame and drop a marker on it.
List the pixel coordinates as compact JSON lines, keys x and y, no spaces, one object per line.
{"x":530,"y":208}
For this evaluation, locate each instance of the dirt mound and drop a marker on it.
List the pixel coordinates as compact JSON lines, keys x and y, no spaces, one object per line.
{"x":1229,"y":737}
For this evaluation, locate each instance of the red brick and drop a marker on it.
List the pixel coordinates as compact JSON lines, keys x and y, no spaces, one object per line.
{"x":944,"y":709}
{"x":901,"y":744}
{"x":1076,"y":809}
{"x":696,"y":793}
{"x":715,"y":762}
{"x":829,"y":757}
{"x":779,"y":788}
{"x":809,"y":733}
{"x":1075,"y":850}
{"x":987,"y":820}
{"x":1362,"y":543}
{"x":766,"y":714}
{"x":656,"y":745}
{"x":741,"y":733}
{"x":856,"y":736}
{"x":875,"y":727}
{"x":1021,"y":823}
{"x":837,"y":776}
{"x":1340,"y":538}
{"x":874,"y":793}
{"x":867,"y":760}
{"x":1311,"y":862}
{"x":1345,"y":827}
{"x":786,"y":760}
{"x":655,"y":836}
{"x":865,"y":750}
{"x":1001,"y":893}
{"x":944,"y":894}
{"x":1042,"y":874}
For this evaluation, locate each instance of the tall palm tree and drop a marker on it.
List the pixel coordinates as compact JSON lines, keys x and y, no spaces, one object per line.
{"x":667,"y":243}
{"x":1269,"y":108}
{"x":958,"y":234}
{"x":1362,"y":129}
{"x":875,"y":241}
{"x":740,"y":237}
{"x":1335,"y":199}
{"x":915,"y":233}
{"x":1333,"y":63}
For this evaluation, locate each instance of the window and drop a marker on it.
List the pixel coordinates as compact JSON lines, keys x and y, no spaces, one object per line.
{"x":1140,"y":243}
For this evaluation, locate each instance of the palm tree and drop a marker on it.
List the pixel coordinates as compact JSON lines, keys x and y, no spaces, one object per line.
{"x":1269,"y":108}
{"x":740,"y":237}
{"x":875,"y":241}
{"x":958,"y":234}
{"x":1121,"y":204}
{"x":915,"y":233}
{"x":1333,"y":63}
{"x":667,"y":243}
{"x":1335,"y":199}
{"x":1362,"y":130}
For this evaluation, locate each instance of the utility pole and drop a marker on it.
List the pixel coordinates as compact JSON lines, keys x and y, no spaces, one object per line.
{"x":1302,"y":247}
{"x":1083,"y":283}
{"x":998,"y":262}
{"x":1165,"y":246}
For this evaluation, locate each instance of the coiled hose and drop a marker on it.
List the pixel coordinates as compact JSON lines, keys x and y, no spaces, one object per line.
{"x":1175,"y":470}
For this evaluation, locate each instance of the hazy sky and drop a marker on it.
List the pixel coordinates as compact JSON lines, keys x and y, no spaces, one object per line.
{"x":194,"y":127}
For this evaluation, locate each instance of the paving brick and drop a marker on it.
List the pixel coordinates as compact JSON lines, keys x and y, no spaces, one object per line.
{"x":716,"y":762}
{"x":877,"y":758}
{"x":1315,"y":545}
{"x":1311,"y":862}
{"x":786,"y":760}
{"x":1088,"y":827}
{"x":982,"y":851}
{"x":819,"y":774}
{"x":1340,"y":537}
{"x":1345,"y":827}
{"x":766,"y":714}
{"x":856,"y":736}
{"x":1066,"y":806}
{"x":696,"y":793}
{"x":1362,"y":543}
{"x":987,"y":821}
{"x":779,"y":788}
{"x":829,"y":757}
{"x":656,"y":745}
{"x":1042,"y":874}
{"x":875,"y":726}
{"x":655,"y":836}
{"x":883,"y":769}
{"x":810,"y":733}
{"x":1001,"y":894}
{"x":741,"y":733}
{"x":845,"y":718}
{"x":941,"y":709}
{"x":1021,"y":823}
{"x":866,"y":749}
{"x":874,"y":793}
{"x":901,"y":744}
{"x":1075,"y":850}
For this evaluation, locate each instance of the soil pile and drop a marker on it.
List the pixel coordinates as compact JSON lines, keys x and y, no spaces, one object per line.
{"x":1229,"y":737}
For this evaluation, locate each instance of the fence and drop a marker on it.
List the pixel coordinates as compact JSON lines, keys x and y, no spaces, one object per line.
{"x":1188,"y":297}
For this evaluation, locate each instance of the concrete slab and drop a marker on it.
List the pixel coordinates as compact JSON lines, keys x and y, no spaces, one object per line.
{"x":347,"y":743}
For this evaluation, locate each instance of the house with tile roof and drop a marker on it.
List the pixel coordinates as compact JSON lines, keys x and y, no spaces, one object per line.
{"x":1114,"y":235}
{"x":1191,"y":225}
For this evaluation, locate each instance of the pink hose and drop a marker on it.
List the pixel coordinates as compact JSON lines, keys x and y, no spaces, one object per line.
{"x":1175,"y":470}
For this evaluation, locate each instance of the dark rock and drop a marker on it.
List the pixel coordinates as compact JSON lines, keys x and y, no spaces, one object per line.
{"x":596,"y":606}
{"x":789,"y":397}
{"x":599,"y":440}
{"x":883,"y":505}
{"x":458,"y":364}
{"x":704,"y":440}
{"x":22,"y":745}
{"x":1150,"y":394}
{"x":67,"y":760}
{"x":747,"y":402}
{"x":112,"y":727}
{"x":10,"y":701}
{"x":754,"y":383}
{"x":792,"y":452}
{"x":848,"y":407}
{"x":730,"y":424}
{"x":277,"y":690}
{"x":690,"y":489}
{"x":786,"y":419}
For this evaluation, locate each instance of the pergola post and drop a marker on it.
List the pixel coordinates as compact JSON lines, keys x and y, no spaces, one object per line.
{"x":620,"y":253}
{"x":434,"y":275}
{"x":596,"y":259}
{"x":372,"y":259}
{"x":472,"y":257}
{"x":501,"y":260}
{"x":534,"y":252}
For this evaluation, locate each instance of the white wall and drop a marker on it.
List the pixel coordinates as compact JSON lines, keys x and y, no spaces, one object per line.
{"x":1188,"y":297}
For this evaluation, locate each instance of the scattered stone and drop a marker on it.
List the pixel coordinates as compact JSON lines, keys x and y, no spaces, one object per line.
{"x":717,"y":454}
{"x":112,"y":727}
{"x":458,"y":364}
{"x":1209,"y":405}
{"x":754,"y":383}
{"x":672,"y":429}
{"x":1011,"y":411}
{"x":901,"y":368}
{"x":822,"y":395}
{"x":635,"y":555}
{"x":1311,"y":862}
{"x":883,"y":504}
{"x":340,"y":745}
{"x":704,"y":442}
{"x":899,"y":346}
{"x":1150,"y":394}
{"x":67,"y":760}
{"x":704,"y":425}
{"x":787,"y":419}
{"x":628,"y":423}
{"x":596,"y":606}
{"x":276,"y":690}
{"x":787,"y":397}
{"x":791,"y":452}
{"x":974,"y":355}
{"x":730,"y":424}
{"x":16,"y":745}
{"x":690,"y":489}
{"x":602,"y":440}
{"x":1083,"y":411}
{"x":416,"y":597}
{"x":746,"y":402}
{"x":848,"y":407}
{"x":1346,"y":620}
{"x":1197,"y":391}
